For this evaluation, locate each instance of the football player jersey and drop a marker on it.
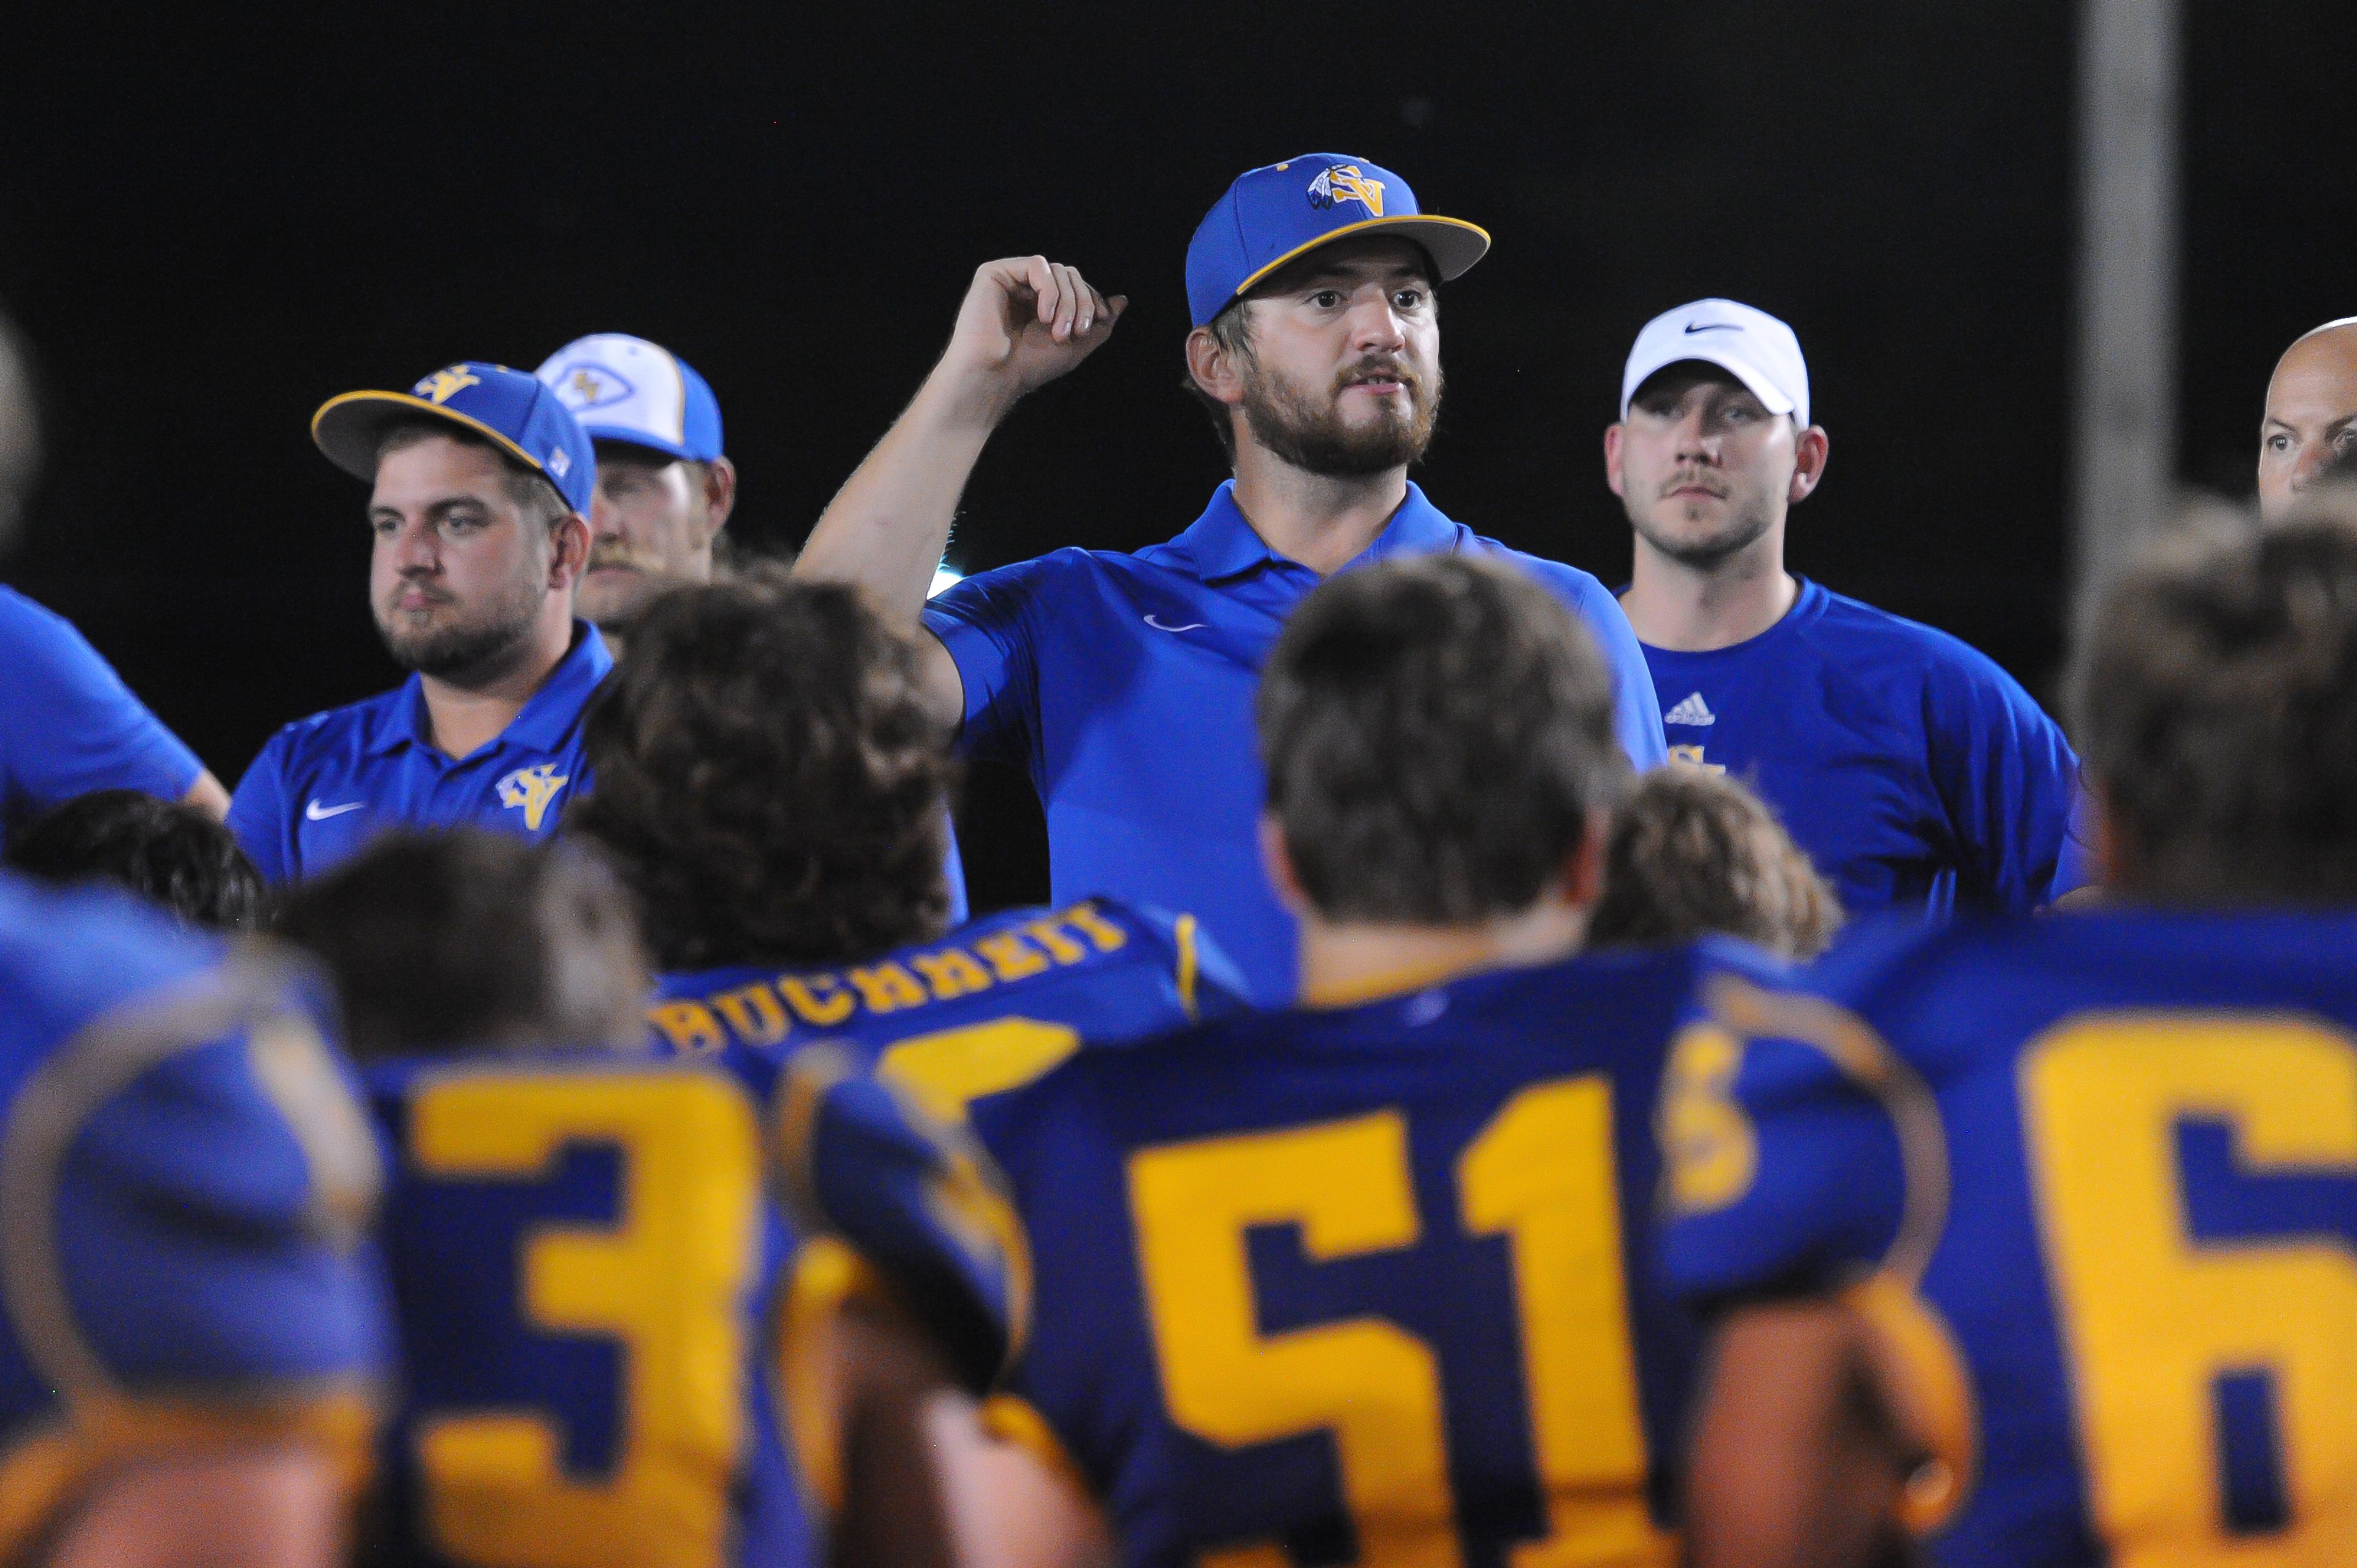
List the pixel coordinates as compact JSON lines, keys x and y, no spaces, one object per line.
{"x":1363,"y":1286}
{"x":993,"y":1004}
{"x":184,"y":1177}
{"x":2098,"y":1174}
{"x":612,"y":1341}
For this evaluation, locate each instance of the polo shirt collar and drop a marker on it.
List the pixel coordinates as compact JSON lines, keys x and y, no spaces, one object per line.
{"x":1224,"y":544}
{"x":542,"y":726}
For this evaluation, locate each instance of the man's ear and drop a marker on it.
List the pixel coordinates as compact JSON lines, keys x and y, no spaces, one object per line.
{"x":1614,"y":434}
{"x":720,"y":493}
{"x":1276,"y":860}
{"x":1809,"y":455}
{"x":1583,"y":874}
{"x":1213,"y":367}
{"x":570,"y":535}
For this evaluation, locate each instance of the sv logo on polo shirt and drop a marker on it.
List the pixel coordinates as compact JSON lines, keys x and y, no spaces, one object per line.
{"x":531,"y":789}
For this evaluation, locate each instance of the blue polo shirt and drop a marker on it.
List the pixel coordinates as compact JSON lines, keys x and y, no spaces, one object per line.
{"x":323,"y":785}
{"x":1917,"y":774}
{"x":1123,"y":682}
{"x":68,"y":724}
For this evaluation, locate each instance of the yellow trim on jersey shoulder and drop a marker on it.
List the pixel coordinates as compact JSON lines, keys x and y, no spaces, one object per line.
{"x":1183,"y":931}
{"x":1924,"y":1376}
{"x":440,"y":411}
{"x":46,"y":1474}
{"x":1010,"y":1418}
{"x":1399,"y":221}
{"x":826,"y":1274}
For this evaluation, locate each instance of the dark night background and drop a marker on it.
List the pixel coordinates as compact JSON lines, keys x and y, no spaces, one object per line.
{"x":208,"y":227}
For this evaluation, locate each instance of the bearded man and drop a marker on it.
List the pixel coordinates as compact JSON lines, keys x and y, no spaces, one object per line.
{"x":1123,"y":682}
{"x":481,"y":480}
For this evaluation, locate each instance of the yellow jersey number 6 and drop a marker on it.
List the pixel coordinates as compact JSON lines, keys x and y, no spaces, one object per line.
{"x":666,"y":1281}
{"x":1540,"y":1173}
{"x":2152,"y":1318}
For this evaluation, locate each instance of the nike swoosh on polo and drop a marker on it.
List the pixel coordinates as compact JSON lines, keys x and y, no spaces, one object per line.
{"x":1190,"y":625}
{"x":1693,"y":327}
{"x":319,"y":813}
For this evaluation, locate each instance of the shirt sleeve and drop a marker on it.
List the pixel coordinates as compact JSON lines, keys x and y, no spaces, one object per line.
{"x":2007,"y":779}
{"x":987,"y":624}
{"x":920,"y":1202}
{"x":1636,"y":706}
{"x":258,"y":814}
{"x":68,"y":724}
{"x":1783,"y":1169}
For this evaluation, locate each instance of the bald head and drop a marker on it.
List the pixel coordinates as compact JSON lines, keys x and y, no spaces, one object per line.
{"x":20,"y":433}
{"x":2309,"y":435}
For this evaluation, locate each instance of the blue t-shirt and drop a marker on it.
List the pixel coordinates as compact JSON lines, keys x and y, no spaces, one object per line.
{"x":188,"y":1185}
{"x":1916,"y":773}
{"x":1123,"y":682}
{"x":325,"y":785}
{"x":68,"y":724}
{"x":2098,"y":1172}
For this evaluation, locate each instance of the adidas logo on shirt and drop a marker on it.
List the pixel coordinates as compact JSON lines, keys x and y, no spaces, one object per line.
{"x":1693,"y":711}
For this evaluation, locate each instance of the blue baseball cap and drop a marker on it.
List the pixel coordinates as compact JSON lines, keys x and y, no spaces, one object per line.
{"x":520,"y":416}
{"x":1273,"y":215}
{"x":626,"y":389}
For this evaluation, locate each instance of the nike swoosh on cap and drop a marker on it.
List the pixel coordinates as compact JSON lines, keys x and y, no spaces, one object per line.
{"x":1713,"y":326}
{"x":319,"y":813}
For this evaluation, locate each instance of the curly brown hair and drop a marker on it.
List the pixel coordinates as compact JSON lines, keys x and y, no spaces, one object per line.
{"x":1691,"y":853}
{"x":767,"y":782}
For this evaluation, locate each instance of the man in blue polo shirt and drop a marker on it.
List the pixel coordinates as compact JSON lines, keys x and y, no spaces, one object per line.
{"x":482,"y":478}
{"x":68,"y":723}
{"x":1916,"y":773}
{"x":1125,"y":682}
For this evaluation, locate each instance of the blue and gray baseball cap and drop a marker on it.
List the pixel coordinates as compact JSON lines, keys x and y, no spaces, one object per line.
{"x":626,"y":389}
{"x":1275,"y":215}
{"x":518,"y":414}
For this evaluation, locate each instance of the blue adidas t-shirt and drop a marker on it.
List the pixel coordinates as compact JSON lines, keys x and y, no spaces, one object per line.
{"x":1916,"y":773}
{"x":1124,"y":683}
{"x":325,"y":785}
{"x":68,"y":724}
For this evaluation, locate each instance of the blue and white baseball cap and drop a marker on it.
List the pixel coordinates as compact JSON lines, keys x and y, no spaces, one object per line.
{"x":626,"y":389}
{"x":1271,"y":216}
{"x":518,"y":415}
{"x":1759,"y":351}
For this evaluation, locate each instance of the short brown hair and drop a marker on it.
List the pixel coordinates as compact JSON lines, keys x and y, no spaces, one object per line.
{"x":533,"y":493}
{"x":769,"y":782}
{"x":2215,"y":701}
{"x":1436,"y":733}
{"x":1231,"y":330}
{"x":1692,"y":853}
{"x":469,"y":938}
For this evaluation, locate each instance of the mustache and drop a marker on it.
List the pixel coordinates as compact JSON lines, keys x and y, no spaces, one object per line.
{"x":1380,"y":369}
{"x":614,"y":552}
{"x":1695,"y":479}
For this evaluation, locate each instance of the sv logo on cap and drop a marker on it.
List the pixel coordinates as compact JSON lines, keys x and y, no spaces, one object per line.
{"x":439,"y":387}
{"x":592,"y":386}
{"x":1338,"y":183}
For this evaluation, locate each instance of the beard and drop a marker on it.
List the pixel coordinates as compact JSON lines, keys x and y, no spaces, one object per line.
{"x":468,"y":644}
{"x":1313,"y":436}
{"x":1697,"y":546}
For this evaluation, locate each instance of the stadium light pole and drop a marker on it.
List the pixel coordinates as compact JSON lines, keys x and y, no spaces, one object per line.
{"x":2124,"y":436}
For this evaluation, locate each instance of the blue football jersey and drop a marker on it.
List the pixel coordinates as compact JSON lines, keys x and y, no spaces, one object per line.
{"x":993,"y":1003}
{"x":1362,"y":1285}
{"x":185,"y":1181}
{"x":1917,"y":774}
{"x":2098,"y":1174}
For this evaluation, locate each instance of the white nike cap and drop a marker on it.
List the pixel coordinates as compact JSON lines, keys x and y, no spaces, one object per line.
{"x":1762,"y":352}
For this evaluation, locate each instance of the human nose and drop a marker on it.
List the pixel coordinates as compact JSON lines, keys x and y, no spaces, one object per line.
{"x":414,"y":551}
{"x":1697,"y":436}
{"x":1377,"y":327}
{"x":605,"y":518}
{"x":2309,"y":462}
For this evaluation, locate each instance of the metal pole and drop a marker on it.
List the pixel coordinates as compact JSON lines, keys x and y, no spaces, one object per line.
{"x":2124,"y":461}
